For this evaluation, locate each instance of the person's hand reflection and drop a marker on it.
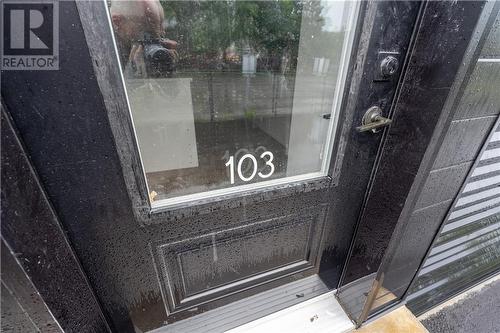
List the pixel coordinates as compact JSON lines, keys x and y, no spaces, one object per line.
{"x":171,"y":46}
{"x":136,"y":60}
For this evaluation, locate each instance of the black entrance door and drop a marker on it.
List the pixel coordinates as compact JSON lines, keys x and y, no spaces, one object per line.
{"x":222,"y":157}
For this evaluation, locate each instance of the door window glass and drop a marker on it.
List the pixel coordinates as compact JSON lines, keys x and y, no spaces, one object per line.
{"x":231,"y":95}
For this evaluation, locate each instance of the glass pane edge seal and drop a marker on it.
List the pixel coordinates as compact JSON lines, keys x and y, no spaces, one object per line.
{"x":220,"y":194}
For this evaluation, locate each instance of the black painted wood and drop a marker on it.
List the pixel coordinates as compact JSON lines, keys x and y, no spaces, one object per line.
{"x":389,"y":26}
{"x":32,"y":231}
{"x":76,"y":128}
{"x":386,"y":233}
{"x":403,"y":260}
{"x":435,"y":60}
{"x":22,"y":307}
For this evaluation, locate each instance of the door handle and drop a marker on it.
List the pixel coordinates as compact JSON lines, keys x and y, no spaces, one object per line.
{"x":373,"y":120}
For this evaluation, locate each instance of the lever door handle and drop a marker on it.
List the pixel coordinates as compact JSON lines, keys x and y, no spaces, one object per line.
{"x":376,"y":124}
{"x":373,"y":120}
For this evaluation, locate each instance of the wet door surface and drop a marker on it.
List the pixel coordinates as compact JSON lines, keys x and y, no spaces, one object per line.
{"x":202,"y":152}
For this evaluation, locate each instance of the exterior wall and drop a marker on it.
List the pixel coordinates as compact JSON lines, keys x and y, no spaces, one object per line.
{"x":466,"y":249}
{"x":22,"y":307}
{"x":39,"y":269}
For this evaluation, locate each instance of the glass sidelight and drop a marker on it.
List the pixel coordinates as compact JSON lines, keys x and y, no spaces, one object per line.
{"x":228,"y":96}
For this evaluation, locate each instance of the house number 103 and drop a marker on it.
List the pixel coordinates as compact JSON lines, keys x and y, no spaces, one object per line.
{"x":269,"y":163}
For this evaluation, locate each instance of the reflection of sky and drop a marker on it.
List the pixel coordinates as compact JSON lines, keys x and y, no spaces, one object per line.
{"x":333,"y":12}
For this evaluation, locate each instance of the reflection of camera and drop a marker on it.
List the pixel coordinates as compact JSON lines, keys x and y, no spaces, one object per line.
{"x":158,"y":59}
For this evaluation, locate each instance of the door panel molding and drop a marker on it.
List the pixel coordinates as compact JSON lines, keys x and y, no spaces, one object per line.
{"x":249,"y":254}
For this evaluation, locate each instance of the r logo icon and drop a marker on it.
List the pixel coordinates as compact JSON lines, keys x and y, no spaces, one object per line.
{"x":30,"y":35}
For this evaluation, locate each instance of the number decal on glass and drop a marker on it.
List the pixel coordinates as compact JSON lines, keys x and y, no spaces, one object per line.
{"x":253,"y":166}
{"x":269,"y":163}
{"x":230,"y":164}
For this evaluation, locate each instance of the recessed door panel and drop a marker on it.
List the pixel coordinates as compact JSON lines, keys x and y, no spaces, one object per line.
{"x":215,"y":265}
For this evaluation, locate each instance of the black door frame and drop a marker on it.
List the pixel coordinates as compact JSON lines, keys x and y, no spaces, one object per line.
{"x":435,"y":79}
{"x":36,"y":254}
{"x":40,"y":161}
{"x":379,"y":34}
{"x":76,"y":167}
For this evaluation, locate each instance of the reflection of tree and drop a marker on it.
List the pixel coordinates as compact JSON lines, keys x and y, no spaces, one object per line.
{"x":207,"y":29}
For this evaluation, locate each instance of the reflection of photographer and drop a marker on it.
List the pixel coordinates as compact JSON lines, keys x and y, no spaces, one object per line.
{"x":158,"y":59}
{"x":144,"y":49}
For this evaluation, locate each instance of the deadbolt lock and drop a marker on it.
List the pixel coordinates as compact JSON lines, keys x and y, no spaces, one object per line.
{"x":389,"y":66}
{"x":373,"y":120}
